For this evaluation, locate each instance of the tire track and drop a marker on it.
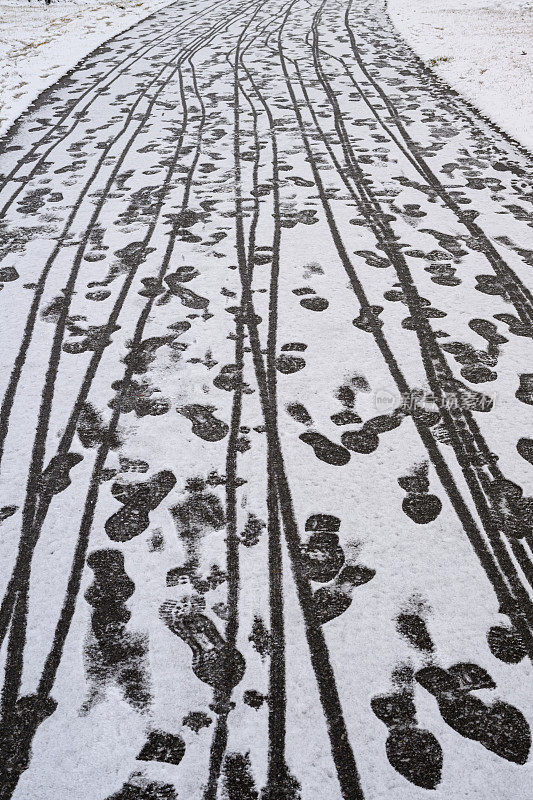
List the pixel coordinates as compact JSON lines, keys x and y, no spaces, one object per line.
{"x":223,"y":701}
{"x":496,"y":575}
{"x":9,"y":396}
{"x":461,"y":426}
{"x":521,"y":297}
{"x":264,"y":97}
{"x":342,"y":752}
{"x":277,"y":767}
{"x":53,"y":659}
{"x":98,"y":83}
{"x":15,"y":647}
{"x":45,"y":498}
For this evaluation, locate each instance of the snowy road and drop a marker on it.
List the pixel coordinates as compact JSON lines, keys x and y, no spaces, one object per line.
{"x":266,"y":514}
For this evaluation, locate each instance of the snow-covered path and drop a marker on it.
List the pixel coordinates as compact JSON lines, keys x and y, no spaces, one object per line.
{"x":266,"y":514}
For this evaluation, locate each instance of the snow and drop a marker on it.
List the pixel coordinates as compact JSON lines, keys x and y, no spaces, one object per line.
{"x":39,"y":43}
{"x":347,"y":225}
{"x":482,"y":48}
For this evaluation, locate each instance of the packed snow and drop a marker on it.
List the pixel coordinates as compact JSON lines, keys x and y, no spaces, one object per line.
{"x":483,"y":48}
{"x":39,"y":43}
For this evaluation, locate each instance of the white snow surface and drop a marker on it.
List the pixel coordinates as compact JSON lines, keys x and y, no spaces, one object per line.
{"x":129,"y":157}
{"x":482,"y":48}
{"x":39,"y":43}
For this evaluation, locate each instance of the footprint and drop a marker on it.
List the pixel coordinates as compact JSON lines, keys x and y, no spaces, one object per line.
{"x":333,"y":600}
{"x":152,"y":287}
{"x":196,"y":720}
{"x":181,"y":275}
{"x":140,"y":357}
{"x":346,"y":395}
{"x":132,"y":464}
{"x":525,"y":449}
{"x":413,"y":752}
{"x":92,"y":430}
{"x":366,"y":439}
{"x":7,"y":511}
{"x":314,"y":303}
{"x":229,"y":378}
{"x":138,"y":500}
{"x":413,"y":627}
{"x":499,"y":726}
{"x":525,"y":391}
{"x":422,"y":508}
{"x":214,"y":661}
{"x":299,"y":412}
{"x":288,"y":364}
{"x":204,"y":423}
{"x":372,"y":259}
{"x":478,"y":363}
{"x":487,"y":330}
{"x":56,"y":476}
{"x":325,"y":449}
{"x":478,"y":373}
{"x":323,"y":522}
{"x":506,"y":644}
{"x":187,"y":218}
{"x":452,"y":244}
{"x":413,"y":210}
{"x":300,"y":181}
{"x":137,"y":397}
{"x":199,"y":513}
{"x":260,"y":638}
{"x":117,"y":655}
{"x":515,"y":324}
{"x":346,"y":417}
{"x":180,"y":327}
{"x":93,"y":338}
{"x":94,"y":256}
{"x":443,"y":274}
{"x":164,"y":747}
{"x":139,"y":788}
{"x":363,"y":441}
{"x":385,"y":422}
{"x":98,"y":296}
{"x":514,"y":512}
{"x":296,"y":346}
{"x":252,"y":531}
{"x":8,"y":274}
{"x":321,"y":556}
{"x":254,"y":699}
{"x":419,"y":505}
{"x":410,"y":323}
{"x":187,"y":296}
{"x":306,"y":216}
{"x":368,"y":320}
{"x":491,"y":285}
